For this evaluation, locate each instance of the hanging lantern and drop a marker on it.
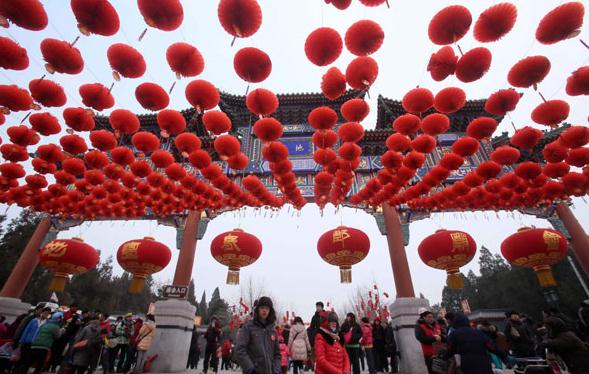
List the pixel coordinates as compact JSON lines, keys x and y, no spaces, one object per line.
{"x":142,"y":257}
{"x":448,"y":250}
{"x":236,"y":249}
{"x":67,"y":256}
{"x":343,"y":247}
{"x":537,"y":249}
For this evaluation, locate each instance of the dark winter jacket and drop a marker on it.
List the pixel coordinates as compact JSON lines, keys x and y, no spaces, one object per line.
{"x":331,"y":357}
{"x":378,"y":336}
{"x":314,"y":327}
{"x":472,"y":345}
{"x":425,"y":333}
{"x":389,"y":339}
{"x":356,"y":333}
{"x":567,"y":345}
{"x":522,"y":345}
{"x":213,"y":336}
{"x":257,"y":347}
{"x":90,"y":332}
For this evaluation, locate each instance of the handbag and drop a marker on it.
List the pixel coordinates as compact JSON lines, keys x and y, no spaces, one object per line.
{"x":81,"y":344}
{"x":439,"y":365}
{"x":348,"y":337}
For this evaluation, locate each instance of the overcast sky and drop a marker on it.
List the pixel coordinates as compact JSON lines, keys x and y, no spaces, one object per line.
{"x":290,"y":267}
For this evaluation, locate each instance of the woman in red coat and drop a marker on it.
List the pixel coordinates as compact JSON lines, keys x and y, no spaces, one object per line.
{"x":330,"y":354}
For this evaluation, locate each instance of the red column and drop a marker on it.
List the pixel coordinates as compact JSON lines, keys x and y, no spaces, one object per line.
{"x":579,"y":239}
{"x":183,"y":272}
{"x":401,"y":272}
{"x":27,"y":262}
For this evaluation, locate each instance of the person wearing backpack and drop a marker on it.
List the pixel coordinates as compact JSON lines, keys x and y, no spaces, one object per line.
{"x":299,"y":345}
{"x":352,"y":334}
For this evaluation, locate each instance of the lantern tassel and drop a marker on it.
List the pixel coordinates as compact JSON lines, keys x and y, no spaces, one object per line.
{"x":345,"y":274}
{"x":58,"y":282}
{"x":233,"y":276}
{"x":455,"y":280}
{"x":137,"y":284}
{"x":545,"y":276}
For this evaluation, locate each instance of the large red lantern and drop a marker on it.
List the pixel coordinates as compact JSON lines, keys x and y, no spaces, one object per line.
{"x":448,"y":250}
{"x":537,"y":249}
{"x":142,"y":257}
{"x":236,"y":249}
{"x":67,"y":256}
{"x":343,"y":247}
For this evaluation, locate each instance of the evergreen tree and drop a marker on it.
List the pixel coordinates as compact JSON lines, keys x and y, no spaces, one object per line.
{"x":201,"y":308}
{"x":191,"y":295}
{"x":218,"y":308}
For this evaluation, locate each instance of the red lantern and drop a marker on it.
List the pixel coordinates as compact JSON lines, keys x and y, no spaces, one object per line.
{"x":473,"y":65}
{"x":184,"y":60}
{"x":449,"y":25}
{"x":495,"y":22}
{"x":252,"y":65}
{"x":236,"y":249}
{"x":362,"y":72}
{"x":28,"y":14}
{"x":561,"y":23}
{"x":448,"y":250}
{"x":502,"y":101}
{"x":364,"y":38}
{"x":142,"y":257}
{"x":96,"y":96}
{"x":67,"y":256}
{"x":240,"y":18}
{"x":333,"y":83}
{"x":343,"y":247}
{"x":165,"y":15}
{"x":442,"y":63}
{"x":126,"y":61}
{"x":537,"y":249}
{"x":61,"y":57}
{"x":152,"y":96}
{"x":96,"y":16}
{"x":323,"y":46}
{"x":47,"y":93}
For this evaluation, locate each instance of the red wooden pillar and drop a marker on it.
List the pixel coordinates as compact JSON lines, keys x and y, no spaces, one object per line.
{"x":183,"y":272}
{"x":579,"y":239}
{"x":401,"y":272}
{"x":27,"y":262}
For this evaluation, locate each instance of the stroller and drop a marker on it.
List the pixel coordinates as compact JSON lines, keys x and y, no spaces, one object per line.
{"x":553,"y":364}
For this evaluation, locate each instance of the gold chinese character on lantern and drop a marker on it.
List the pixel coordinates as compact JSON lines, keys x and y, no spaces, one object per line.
{"x":55,"y":249}
{"x":230,"y":243}
{"x":340,"y":235}
{"x":129,"y":251}
{"x":459,"y":241}
{"x":551,"y":240}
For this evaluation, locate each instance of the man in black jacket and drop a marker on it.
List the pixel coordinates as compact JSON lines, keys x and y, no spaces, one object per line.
{"x":213,"y":338}
{"x":257,"y":350}
{"x":315,"y":323}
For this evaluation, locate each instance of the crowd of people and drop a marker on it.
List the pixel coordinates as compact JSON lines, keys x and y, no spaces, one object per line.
{"x":453,"y":341}
{"x":69,"y":340}
{"x":75,"y":341}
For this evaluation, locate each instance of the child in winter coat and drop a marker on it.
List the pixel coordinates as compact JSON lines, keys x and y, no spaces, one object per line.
{"x":283,"y":355}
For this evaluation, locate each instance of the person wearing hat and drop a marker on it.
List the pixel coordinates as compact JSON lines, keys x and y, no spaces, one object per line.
{"x":48,"y":333}
{"x":257,"y":350}
{"x":331,"y":356}
{"x":314,"y":326}
{"x":427,"y":332}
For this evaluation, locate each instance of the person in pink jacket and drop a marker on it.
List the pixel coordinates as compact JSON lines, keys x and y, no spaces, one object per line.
{"x":366,"y":344}
{"x":283,"y":355}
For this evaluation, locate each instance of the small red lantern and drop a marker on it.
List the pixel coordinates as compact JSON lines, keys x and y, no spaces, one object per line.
{"x":67,"y":256}
{"x":142,"y":257}
{"x":537,"y":249}
{"x":448,"y":250}
{"x":343,"y":247}
{"x":236,"y":249}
